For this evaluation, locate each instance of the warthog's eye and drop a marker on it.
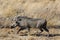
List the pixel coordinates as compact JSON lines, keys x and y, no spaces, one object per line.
{"x":20,"y":19}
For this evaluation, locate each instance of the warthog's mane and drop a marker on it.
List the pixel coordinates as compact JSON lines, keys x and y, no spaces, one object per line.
{"x":29,"y":18}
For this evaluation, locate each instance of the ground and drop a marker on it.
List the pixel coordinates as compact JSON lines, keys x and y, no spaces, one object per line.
{"x":10,"y":34}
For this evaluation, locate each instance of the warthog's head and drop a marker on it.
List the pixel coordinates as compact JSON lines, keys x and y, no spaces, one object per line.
{"x":20,"y":18}
{"x":17,"y":20}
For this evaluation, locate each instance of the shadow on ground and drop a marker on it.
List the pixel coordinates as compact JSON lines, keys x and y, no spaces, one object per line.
{"x":50,"y":35}
{"x":56,"y":27}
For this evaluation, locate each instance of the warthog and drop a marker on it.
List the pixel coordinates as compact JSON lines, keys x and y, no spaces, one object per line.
{"x":26,"y":22}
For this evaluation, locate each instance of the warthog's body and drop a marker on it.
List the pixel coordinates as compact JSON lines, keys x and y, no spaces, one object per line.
{"x":25,"y":22}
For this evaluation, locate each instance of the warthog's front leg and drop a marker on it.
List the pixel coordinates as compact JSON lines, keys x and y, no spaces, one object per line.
{"x":28,"y":30}
{"x":20,"y":29}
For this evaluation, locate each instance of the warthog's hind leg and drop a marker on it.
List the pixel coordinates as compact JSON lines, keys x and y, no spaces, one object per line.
{"x":41,"y":30}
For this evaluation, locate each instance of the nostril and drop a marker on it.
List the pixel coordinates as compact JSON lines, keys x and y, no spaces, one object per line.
{"x":16,"y":22}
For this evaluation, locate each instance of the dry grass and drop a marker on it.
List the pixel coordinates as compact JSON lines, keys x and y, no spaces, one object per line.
{"x":32,"y":8}
{"x":47,"y":9}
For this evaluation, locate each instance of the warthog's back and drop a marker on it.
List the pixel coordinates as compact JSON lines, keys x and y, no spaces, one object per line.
{"x":34,"y":22}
